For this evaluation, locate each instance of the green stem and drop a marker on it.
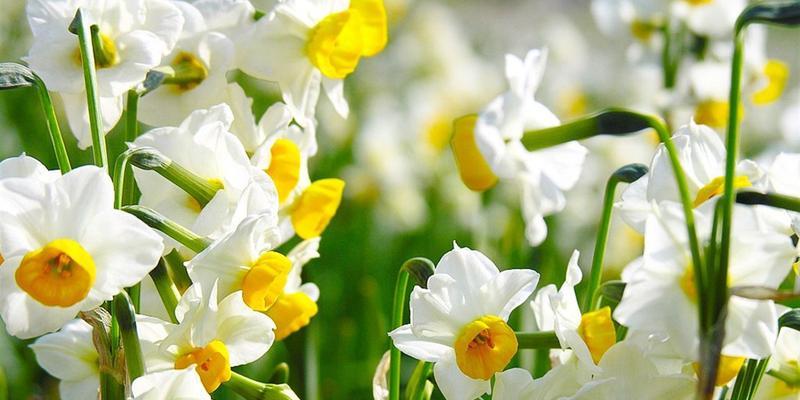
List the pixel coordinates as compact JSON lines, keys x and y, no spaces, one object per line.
{"x":170,"y":228}
{"x":125,"y":314}
{"x":150,"y":159}
{"x":52,"y":126}
{"x":92,"y":96}
{"x":628,"y":174}
{"x":748,"y":379}
{"x":537,"y":340}
{"x":110,"y":388}
{"x":541,"y":362}
{"x":178,"y":271}
{"x":131,"y":133}
{"x":166,"y":290}
{"x":254,"y":390}
{"x":398,"y":307}
{"x":419,"y":378}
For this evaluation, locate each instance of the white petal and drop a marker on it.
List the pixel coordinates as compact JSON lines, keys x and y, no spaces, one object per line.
{"x":181,"y":384}
{"x":68,"y":354}
{"x":454,"y":384}
{"x":247,"y":334}
{"x":334,"y":89}
{"x":416,"y":347}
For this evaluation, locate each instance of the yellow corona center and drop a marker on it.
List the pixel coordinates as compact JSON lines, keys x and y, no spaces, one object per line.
{"x":728,"y":369}
{"x":642,"y":30}
{"x":484,"y":346}
{"x":699,"y":2}
{"x":473,"y":168}
{"x":597,"y":330}
{"x":291,"y":313}
{"x":284,"y":167}
{"x":717,"y":187}
{"x":59,"y":274}
{"x":438,"y":132}
{"x":777,"y":74}
{"x":337,"y":43}
{"x":213,"y":364}
{"x":316,"y":206}
{"x":189,"y":70}
{"x":713,"y":113}
{"x":265,"y":280}
{"x":105,"y":56}
{"x":686,"y":282}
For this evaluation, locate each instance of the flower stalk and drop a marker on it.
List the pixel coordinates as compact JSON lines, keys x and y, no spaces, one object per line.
{"x":88,"y":60}
{"x":627,"y":174}
{"x":151,"y":159}
{"x":168,"y":227}
{"x":166,"y":289}
{"x":125,"y":314}
{"x":254,"y":390}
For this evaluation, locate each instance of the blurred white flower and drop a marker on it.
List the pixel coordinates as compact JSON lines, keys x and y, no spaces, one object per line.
{"x":211,"y":337}
{"x":714,"y":18}
{"x":784,"y":363}
{"x":134,"y":36}
{"x":488,"y":147}
{"x":66,"y":249}
{"x":459,"y":321}
{"x":303,"y":44}
{"x":70,"y":356}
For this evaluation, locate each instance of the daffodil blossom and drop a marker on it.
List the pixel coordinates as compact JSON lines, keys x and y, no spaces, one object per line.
{"x":702,"y":157}
{"x":200,"y":60}
{"x":661,"y":296}
{"x":66,"y":249}
{"x":560,"y":382}
{"x":305,"y":44}
{"x":588,"y":335}
{"x":134,"y":34}
{"x":626,"y":373}
{"x":212,"y":337}
{"x":297,"y":303}
{"x":459,"y":321}
{"x":175,"y":384}
{"x":785,"y":362}
{"x":488,"y":147}
{"x":203,"y":145}
{"x":70,"y":356}
{"x":713,"y":18}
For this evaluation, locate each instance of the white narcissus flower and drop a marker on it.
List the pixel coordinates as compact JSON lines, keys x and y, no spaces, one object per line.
{"x":182,"y":384}
{"x":24,"y":166}
{"x":201,"y":59}
{"x":488,"y":147}
{"x":558,"y":383}
{"x":459,"y":321}
{"x":203,"y":145}
{"x":135,"y":35}
{"x":661,"y":296}
{"x":713,"y":18}
{"x":702,"y":157}
{"x":784,"y":363}
{"x":305,"y":44}
{"x":244,"y":260}
{"x":212,"y":337}
{"x":66,"y":249}
{"x":70,"y":356}
{"x":589,"y":335}
{"x":626,"y":373}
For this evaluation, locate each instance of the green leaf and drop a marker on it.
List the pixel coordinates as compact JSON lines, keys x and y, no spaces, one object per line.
{"x":790,"y":319}
{"x":13,"y":75}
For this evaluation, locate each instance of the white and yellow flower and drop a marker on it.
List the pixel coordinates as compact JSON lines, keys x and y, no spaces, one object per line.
{"x":305,"y":44}
{"x":783,"y":366}
{"x":713,"y":18}
{"x":134,"y":35}
{"x":209,"y":339}
{"x":203,"y":145}
{"x":661,"y":295}
{"x":66,"y":249}
{"x":588,"y":335}
{"x":297,"y":303}
{"x":177,"y":384}
{"x":459,"y":321}
{"x":70,"y":356}
{"x":488,"y":147}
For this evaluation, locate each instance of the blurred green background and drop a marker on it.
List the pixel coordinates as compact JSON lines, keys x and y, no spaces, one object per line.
{"x":444,"y":59}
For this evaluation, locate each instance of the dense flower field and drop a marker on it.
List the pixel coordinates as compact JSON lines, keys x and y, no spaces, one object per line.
{"x":416,"y":199}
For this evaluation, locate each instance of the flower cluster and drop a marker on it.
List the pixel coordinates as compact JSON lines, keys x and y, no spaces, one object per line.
{"x":203,"y":272}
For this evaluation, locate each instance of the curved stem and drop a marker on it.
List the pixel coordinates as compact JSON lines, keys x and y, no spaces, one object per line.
{"x":80,"y":28}
{"x":125,"y":314}
{"x":165,"y":288}
{"x":537,"y":340}
{"x":52,"y":126}
{"x":398,"y":307}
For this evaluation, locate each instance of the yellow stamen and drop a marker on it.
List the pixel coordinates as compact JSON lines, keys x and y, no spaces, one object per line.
{"x":686,"y":282}
{"x":284,"y":167}
{"x":597,"y":330}
{"x":484,"y":346}
{"x":291,"y":313}
{"x":265,"y":280}
{"x":642,"y":30}
{"x":777,"y":74}
{"x":59,"y":274}
{"x":190,"y":72}
{"x":713,"y":113}
{"x":213,"y":364}
{"x":104,"y":57}
{"x":337,"y":43}
{"x":728,"y":369}
{"x":473,"y":168}
{"x":316,"y":206}
{"x":717,"y":187}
